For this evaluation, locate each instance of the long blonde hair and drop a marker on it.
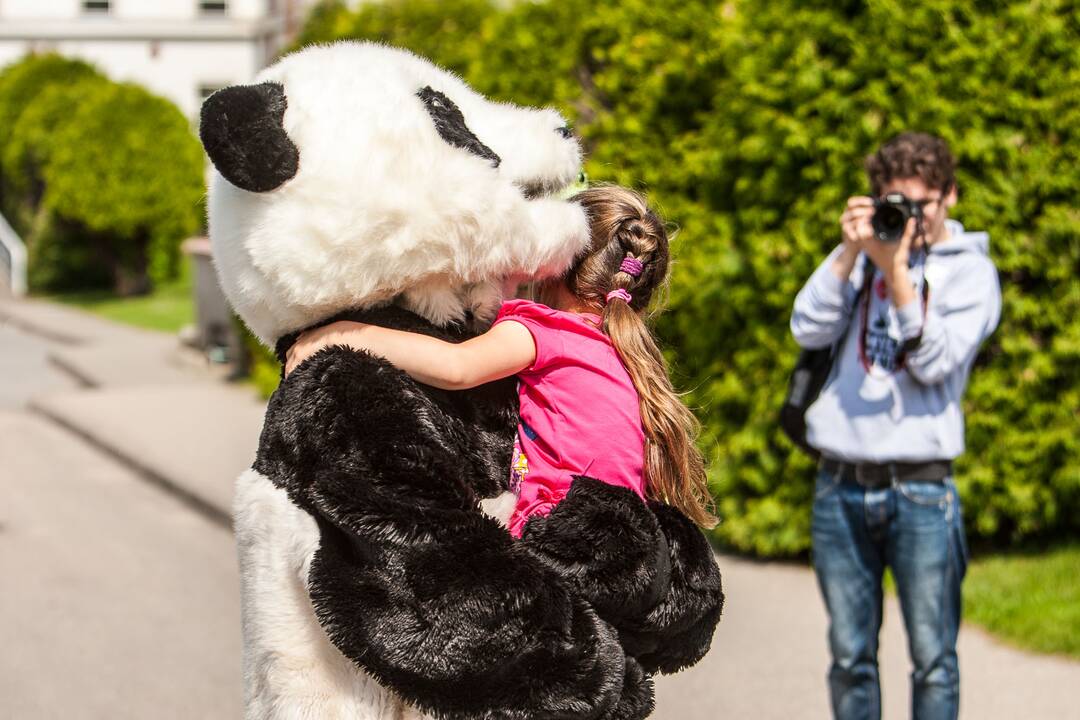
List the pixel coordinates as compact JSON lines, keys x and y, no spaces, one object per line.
{"x":622,"y":226}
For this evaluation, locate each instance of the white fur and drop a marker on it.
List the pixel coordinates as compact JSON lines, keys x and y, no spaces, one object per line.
{"x":291,"y":670}
{"x":500,"y":507}
{"x":381,"y":203}
{"x":382,"y":209}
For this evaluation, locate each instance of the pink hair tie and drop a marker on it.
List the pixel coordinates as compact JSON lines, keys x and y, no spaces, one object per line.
{"x":631,"y":266}
{"x":620,"y":293}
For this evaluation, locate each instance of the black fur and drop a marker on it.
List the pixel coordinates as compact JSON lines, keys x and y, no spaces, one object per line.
{"x":646,"y":569}
{"x":241,"y":128}
{"x":450,"y":124}
{"x":678,"y":631}
{"x":436,"y":600}
{"x":607,"y":543}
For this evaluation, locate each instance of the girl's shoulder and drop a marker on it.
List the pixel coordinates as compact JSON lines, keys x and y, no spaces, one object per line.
{"x":532,"y":313}
{"x":528,"y":309}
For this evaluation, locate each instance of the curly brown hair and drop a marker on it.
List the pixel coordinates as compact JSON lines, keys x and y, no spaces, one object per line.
{"x":913,"y":154}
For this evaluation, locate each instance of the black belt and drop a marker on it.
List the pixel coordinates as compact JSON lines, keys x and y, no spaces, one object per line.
{"x":881,"y":475}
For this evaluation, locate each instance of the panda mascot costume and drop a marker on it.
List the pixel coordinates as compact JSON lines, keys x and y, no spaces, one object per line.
{"x":357,"y":181}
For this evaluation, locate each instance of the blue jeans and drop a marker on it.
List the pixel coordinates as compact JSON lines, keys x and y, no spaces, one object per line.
{"x":916,"y":529}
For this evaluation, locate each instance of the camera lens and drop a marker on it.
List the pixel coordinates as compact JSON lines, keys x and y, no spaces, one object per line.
{"x":890,"y":216}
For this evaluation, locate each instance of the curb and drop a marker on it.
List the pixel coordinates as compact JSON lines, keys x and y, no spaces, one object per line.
{"x":33,"y":329}
{"x":217,"y":515}
{"x":83,"y":380}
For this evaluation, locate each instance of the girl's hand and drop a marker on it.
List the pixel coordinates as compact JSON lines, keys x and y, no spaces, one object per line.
{"x":337,"y":333}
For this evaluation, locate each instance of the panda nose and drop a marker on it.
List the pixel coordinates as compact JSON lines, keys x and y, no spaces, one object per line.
{"x":565,"y":131}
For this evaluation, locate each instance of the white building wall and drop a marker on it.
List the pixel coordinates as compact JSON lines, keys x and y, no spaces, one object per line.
{"x":189,"y":9}
{"x":39,"y":9}
{"x":175,"y":70}
{"x":168,"y":46}
{"x":134,"y":9}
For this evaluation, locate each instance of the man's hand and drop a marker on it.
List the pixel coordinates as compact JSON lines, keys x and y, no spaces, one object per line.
{"x":854,"y":223}
{"x":890,"y":258}
{"x":889,"y":255}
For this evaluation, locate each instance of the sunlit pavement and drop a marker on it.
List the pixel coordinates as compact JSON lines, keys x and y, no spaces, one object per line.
{"x":118,"y":600}
{"x":121,"y":601}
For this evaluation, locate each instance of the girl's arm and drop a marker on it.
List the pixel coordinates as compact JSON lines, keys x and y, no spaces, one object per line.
{"x":504,"y":350}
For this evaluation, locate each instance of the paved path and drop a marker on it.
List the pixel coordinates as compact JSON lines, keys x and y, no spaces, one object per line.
{"x":118,"y":601}
{"x":769,"y":660}
{"x":25,"y":369}
{"x":69,"y":509}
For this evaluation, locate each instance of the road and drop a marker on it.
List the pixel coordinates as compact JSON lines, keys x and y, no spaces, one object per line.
{"x":121,"y":601}
{"x":118,"y":601}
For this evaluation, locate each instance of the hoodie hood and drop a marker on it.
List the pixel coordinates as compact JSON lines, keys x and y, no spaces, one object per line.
{"x":960,"y":241}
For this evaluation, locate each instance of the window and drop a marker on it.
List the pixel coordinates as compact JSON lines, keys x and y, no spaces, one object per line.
{"x":213,"y":7}
{"x":95,"y":6}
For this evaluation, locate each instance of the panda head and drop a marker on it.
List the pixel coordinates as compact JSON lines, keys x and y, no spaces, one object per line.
{"x":352,"y":173}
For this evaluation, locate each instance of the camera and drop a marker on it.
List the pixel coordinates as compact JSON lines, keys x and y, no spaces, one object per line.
{"x":891,"y":215}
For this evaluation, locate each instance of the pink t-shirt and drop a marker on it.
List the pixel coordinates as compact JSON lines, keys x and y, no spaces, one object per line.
{"x":579,"y":411}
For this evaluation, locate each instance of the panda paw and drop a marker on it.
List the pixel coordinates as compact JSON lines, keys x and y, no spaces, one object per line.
{"x":678,"y":631}
{"x":607,"y":544}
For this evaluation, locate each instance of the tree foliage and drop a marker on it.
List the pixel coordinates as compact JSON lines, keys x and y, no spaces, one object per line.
{"x":104,"y":179}
{"x":747,"y":124}
{"x":127,"y":166}
{"x":22,"y":82}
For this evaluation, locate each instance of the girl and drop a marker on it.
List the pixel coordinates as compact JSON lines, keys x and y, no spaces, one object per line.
{"x":593,"y":387}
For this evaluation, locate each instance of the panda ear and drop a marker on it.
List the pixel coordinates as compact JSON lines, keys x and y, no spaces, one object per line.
{"x":242,"y":130}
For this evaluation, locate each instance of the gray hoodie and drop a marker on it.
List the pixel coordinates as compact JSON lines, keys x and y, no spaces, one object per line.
{"x":879,"y":404}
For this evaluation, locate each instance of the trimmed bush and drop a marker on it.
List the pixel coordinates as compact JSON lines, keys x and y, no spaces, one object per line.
{"x":23,"y":81}
{"x":103,"y":179}
{"x":127,"y":166}
{"x":747,"y":123}
{"x":262,"y":366}
{"x":439,"y":27}
{"x":21,"y":84}
{"x":28,"y":148}
{"x":62,"y":256}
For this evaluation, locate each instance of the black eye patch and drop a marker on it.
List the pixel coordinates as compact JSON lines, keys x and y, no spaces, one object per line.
{"x":450,"y":124}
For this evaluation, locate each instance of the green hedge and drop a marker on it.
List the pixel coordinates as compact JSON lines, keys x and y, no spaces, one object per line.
{"x":747,"y":123}
{"x":103,"y":179}
{"x":128,"y":166}
{"x":21,"y":84}
{"x":62,"y":256}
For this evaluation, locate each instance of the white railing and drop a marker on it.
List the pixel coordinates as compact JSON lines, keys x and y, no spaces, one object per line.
{"x":12,"y":260}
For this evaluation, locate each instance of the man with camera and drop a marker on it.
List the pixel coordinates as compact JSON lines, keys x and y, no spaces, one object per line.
{"x":906,"y":300}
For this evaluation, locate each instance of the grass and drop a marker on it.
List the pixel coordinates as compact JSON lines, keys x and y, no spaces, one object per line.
{"x":1029,"y":599}
{"x":167,"y":308}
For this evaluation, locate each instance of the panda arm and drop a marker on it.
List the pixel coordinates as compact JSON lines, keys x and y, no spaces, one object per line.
{"x":677,"y":632}
{"x":461,"y":623}
{"x":647,"y":570}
